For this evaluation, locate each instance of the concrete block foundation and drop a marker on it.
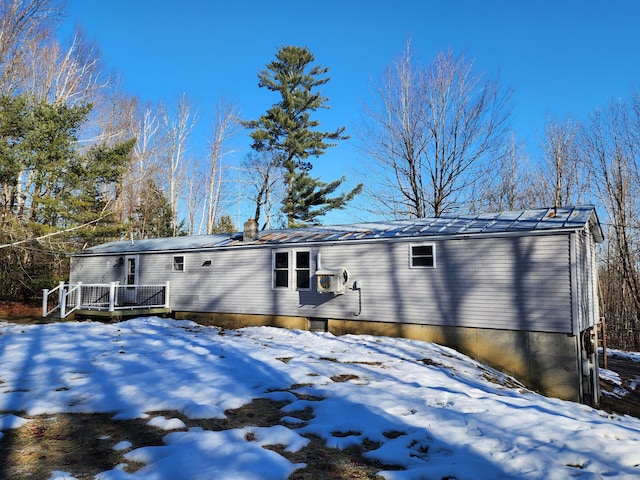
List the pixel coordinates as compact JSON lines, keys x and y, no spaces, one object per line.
{"x":545,"y":362}
{"x":238,"y":320}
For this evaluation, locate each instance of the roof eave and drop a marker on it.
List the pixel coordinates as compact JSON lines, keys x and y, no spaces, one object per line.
{"x":594,"y":227}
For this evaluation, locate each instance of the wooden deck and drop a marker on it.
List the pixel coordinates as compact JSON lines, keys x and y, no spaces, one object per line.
{"x":106,"y":300}
{"x":116,"y":314}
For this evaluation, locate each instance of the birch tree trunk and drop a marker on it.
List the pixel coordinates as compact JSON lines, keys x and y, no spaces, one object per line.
{"x":224,"y":127}
{"x":177,"y":128}
{"x":24,"y":27}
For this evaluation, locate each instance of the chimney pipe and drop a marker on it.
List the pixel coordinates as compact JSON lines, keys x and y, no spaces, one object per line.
{"x":250,"y":230}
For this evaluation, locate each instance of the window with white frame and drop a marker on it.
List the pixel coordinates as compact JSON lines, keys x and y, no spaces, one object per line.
{"x":178,"y":263}
{"x":422,"y":256}
{"x":292,"y":269}
{"x":132,"y":272}
{"x":281,"y":269}
{"x":303,"y":270}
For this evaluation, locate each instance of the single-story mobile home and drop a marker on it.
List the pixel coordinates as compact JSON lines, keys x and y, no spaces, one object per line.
{"x":516,"y":290}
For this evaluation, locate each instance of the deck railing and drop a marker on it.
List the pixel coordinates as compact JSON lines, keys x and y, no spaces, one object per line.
{"x":103,"y":297}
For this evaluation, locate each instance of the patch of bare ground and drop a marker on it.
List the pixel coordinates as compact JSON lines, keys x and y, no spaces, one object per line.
{"x":82,"y":444}
{"x":20,"y":312}
{"x":330,"y":463}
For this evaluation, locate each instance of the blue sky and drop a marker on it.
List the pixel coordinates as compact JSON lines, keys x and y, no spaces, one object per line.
{"x":563,"y":58}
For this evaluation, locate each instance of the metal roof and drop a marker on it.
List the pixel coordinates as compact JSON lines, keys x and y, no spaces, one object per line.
{"x":518,"y":222}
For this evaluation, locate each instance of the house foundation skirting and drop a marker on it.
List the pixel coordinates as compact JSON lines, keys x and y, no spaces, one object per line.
{"x":239,"y":320}
{"x":542,"y":361}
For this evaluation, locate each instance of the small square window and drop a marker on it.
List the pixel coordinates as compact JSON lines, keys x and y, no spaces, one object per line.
{"x":178,"y":263}
{"x":422,"y":256}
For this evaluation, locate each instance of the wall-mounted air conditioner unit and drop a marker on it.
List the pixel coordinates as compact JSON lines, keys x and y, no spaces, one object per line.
{"x":332,"y":280}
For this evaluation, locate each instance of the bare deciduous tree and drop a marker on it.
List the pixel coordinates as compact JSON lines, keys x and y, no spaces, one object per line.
{"x":561,"y":177}
{"x":195,"y":185}
{"x":468,"y":118}
{"x":24,"y":26}
{"x":265,"y":178}
{"x":432,"y":131}
{"x":32,"y":61}
{"x":178,"y":125}
{"x":138,"y":187}
{"x":509,"y":185}
{"x":613,"y":149}
{"x":395,"y":135}
{"x":224,"y":127}
{"x":67,"y":75}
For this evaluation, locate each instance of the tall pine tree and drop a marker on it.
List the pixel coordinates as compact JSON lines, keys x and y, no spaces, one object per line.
{"x":288,"y":132}
{"x":54,"y":197}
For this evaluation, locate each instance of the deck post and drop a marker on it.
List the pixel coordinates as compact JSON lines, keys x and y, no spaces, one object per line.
{"x":61,"y":291}
{"x":166,"y":295}
{"x":62,"y":299}
{"x":112,"y":296}
{"x":45,"y":296}
{"x":79,"y":301}
{"x":63,"y":303}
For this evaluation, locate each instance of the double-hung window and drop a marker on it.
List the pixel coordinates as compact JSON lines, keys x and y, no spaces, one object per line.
{"x":178,"y":263}
{"x":303,"y":270}
{"x":292,"y":269}
{"x":422,"y":256}
{"x":281,"y":269}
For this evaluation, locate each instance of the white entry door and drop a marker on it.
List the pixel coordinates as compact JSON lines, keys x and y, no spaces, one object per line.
{"x":131,"y":278}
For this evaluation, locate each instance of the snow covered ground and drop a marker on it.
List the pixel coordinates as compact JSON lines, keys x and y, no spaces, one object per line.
{"x":430,"y":409}
{"x":632,"y":356}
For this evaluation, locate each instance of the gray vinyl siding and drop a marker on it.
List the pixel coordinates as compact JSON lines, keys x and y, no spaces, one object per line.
{"x":236,"y":281}
{"x":587,"y":308}
{"x":509,"y":282}
{"x":98,"y":269}
{"x":515,"y":283}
